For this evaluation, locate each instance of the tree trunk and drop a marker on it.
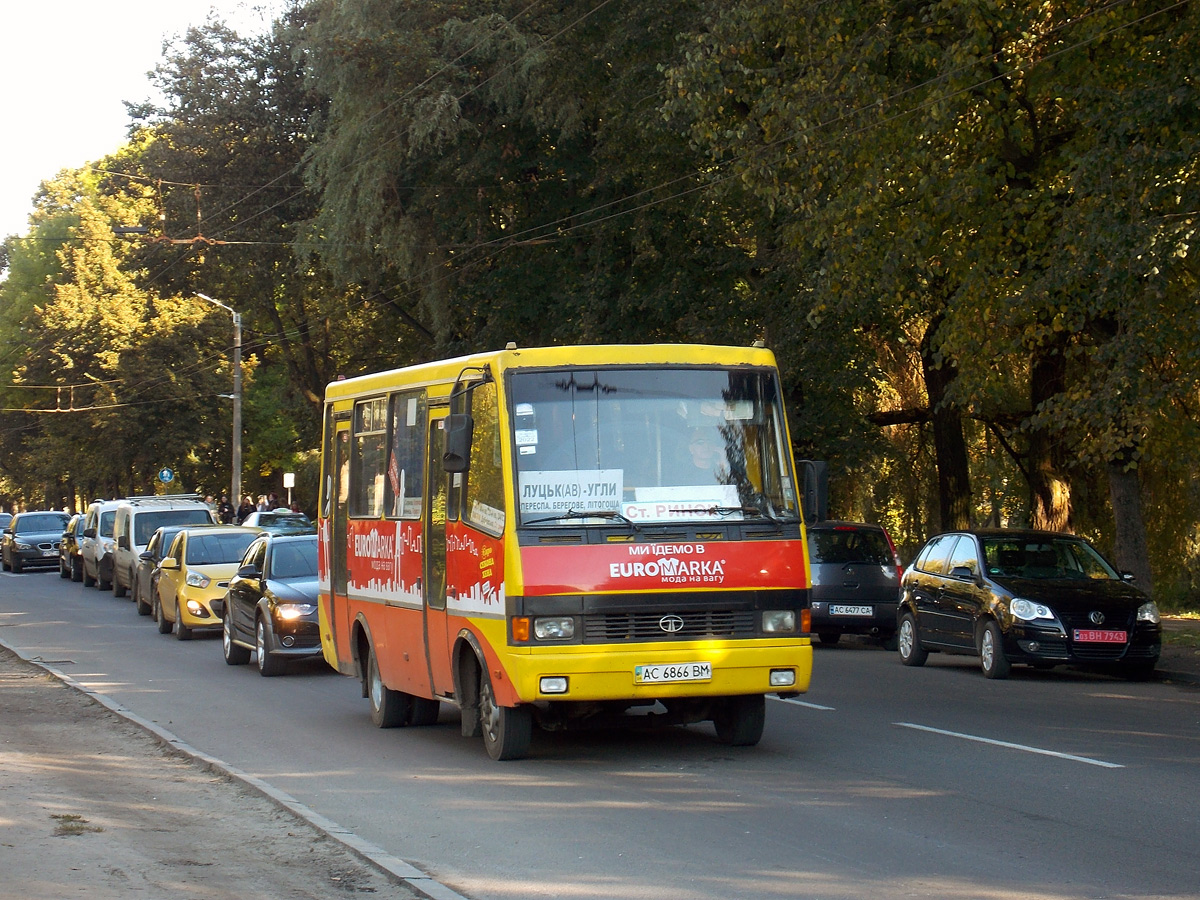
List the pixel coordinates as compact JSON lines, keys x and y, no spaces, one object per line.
{"x":1131,"y":552}
{"x":1049,"y":486}
{"x":950,"y":446}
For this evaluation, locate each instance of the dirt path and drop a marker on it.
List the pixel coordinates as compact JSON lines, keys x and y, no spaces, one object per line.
{"x":92,"y":806}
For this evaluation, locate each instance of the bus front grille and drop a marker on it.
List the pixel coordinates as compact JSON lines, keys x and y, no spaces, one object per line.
{"x":608,"y":628}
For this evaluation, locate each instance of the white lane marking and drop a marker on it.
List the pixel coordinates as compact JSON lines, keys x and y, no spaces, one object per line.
{"x":795,"y":702}
{"x":983,"y":740}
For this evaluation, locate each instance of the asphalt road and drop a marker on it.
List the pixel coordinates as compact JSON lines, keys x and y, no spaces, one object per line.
{"x":882,"y":781}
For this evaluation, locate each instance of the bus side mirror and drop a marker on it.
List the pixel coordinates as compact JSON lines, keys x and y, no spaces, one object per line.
{"x":459,"y":429}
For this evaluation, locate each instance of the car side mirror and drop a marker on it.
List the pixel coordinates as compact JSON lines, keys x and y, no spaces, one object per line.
{"x":89,"y":532}
{"x":963,"y":572}
{"x":145,"y":554}
{"x":169,"y":562}
{"x":249,"y":571}
{"x":123,"y":542}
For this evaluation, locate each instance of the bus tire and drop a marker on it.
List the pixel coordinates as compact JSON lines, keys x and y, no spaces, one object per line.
{"x":425,"y":712}
{"x":389,"y":709}
{"x":739,"y":720}
{"x":507,"y":730}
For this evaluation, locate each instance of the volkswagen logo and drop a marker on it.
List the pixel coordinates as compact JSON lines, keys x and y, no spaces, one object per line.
{"x":1096,"y":617}
{"x":671,"y":624}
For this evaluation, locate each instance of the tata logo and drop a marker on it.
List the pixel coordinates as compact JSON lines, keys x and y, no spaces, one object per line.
{"x":671,"y":624}
{"x":1096,"y":617}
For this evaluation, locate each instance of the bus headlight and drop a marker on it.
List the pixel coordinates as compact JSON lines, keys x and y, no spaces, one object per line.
{"x":554,"y":628}
{"x":783,"y":677}
{"x":779,"y":621}
{"x":553,"y":684}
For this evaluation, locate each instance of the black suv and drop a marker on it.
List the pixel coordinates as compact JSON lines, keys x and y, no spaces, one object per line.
{"x":1019,"y":596}
{"x":32,"y":538}
{"x":855,"y":581}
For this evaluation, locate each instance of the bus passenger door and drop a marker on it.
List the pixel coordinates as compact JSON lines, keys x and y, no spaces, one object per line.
{"x":337,"y":510}
{"x":437,"y":637}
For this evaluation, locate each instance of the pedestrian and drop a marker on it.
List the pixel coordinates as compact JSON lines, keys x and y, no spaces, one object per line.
{"x":272,"y":500}
{"x":262,"y":503}
{"x":244,"y":509}
{"x":225,"y":511}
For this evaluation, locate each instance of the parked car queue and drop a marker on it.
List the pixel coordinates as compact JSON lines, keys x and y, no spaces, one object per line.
{"x":1006,"y":596}
{"x":184,"y":572}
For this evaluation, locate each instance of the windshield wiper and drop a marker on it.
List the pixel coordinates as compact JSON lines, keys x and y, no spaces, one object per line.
{"x":585,"y":514}
{"x":745,"y":510}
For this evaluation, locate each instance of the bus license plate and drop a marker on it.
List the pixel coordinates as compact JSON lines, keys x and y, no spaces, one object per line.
{"x":1099,"y":636}
{"x":840,"y":610}
{"x":664,"y":673}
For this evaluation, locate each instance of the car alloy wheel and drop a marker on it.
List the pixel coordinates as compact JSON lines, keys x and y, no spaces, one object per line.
{"x":991,"y":652}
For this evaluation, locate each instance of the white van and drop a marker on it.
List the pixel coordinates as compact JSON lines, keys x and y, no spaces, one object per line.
{"x":96,"y":548}
{"x":137,"y":520}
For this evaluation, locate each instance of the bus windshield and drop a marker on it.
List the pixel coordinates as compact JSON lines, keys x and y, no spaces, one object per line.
{"x":650,"y":445}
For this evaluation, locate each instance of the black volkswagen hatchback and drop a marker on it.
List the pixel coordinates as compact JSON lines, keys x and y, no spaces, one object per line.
{"x":1034,"y":597}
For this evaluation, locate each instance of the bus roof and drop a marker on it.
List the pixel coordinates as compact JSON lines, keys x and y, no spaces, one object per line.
{"x":447,"y":371}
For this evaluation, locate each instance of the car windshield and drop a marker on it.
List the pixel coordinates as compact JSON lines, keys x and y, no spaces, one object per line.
{"x":47,"y":522}
{"x":280,"y":521}
{"x":850,"y":545}
{"x":216,"y":549}
{"x":295,"y":559}
{"x":150,"y":520}
{"x":652,"y":445}
{"x":1044,"y":558}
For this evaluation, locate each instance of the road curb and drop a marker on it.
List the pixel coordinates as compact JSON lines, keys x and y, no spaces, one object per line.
{"x":392,"y":866}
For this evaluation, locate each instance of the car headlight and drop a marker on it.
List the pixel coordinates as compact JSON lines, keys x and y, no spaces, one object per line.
{"x":1029,"y":610}
{"x":198,"y":580}
{"x":290,"y":611}
{"x":554,"y":628}
{"x":21,"y":545}
{"x":1148,"y":612}
{"x":779,"y":621}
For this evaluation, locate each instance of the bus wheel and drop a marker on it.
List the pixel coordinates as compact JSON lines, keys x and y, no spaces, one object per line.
{"x":740,"y":720}
{"x":389,"y":709}
{"x":425,"y":712}
{"x":507,"y":731}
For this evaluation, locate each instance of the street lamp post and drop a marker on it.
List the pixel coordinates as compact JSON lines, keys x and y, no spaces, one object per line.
{"x":237,"y":397}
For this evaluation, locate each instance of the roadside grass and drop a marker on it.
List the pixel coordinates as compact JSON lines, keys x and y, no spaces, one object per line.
{"x":71,"y":824}
{"x":1182,"y":629}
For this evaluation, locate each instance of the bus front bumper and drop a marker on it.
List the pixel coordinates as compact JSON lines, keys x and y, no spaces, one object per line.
{"x":648,"y":672}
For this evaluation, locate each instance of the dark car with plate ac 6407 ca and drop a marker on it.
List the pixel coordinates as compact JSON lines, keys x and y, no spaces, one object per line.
{"x":855,"y":581}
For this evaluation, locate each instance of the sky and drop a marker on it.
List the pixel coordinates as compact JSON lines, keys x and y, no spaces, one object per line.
{"x":66,"y":66}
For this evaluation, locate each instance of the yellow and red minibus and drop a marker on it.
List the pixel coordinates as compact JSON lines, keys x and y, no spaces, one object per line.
{"x":558,"y":535}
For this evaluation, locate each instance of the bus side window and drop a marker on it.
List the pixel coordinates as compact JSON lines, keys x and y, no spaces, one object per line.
{"x":406,"y":456}
{"x":484,"y":505}
{"x":368,"y":465}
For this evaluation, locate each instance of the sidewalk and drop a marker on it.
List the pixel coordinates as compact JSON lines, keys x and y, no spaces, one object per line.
{"x":94,"y":805}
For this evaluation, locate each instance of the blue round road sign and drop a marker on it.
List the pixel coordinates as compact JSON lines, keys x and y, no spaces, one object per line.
{"x":166,"y":476}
